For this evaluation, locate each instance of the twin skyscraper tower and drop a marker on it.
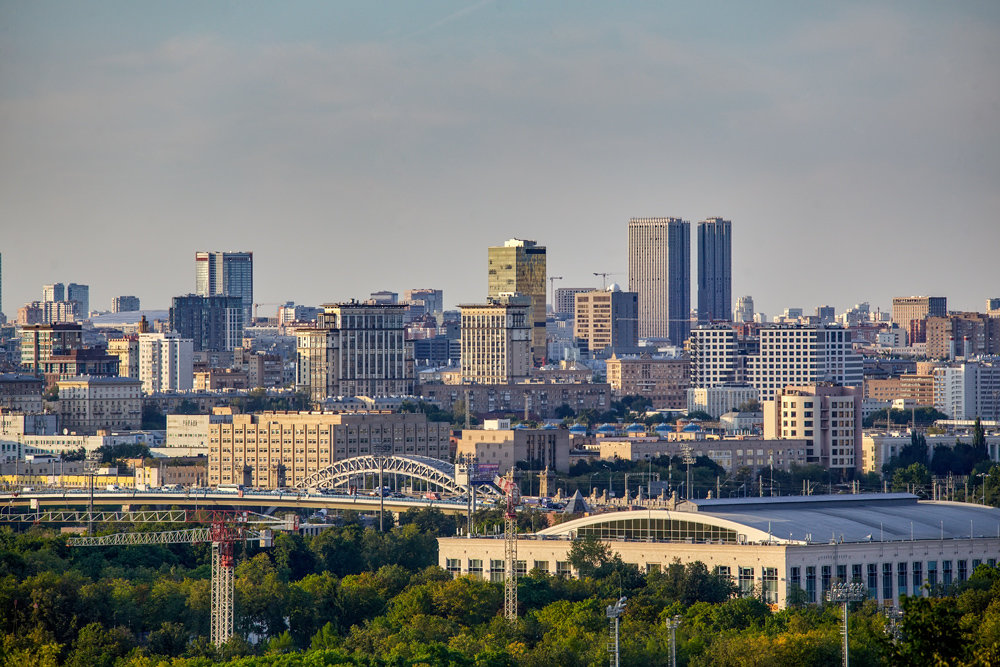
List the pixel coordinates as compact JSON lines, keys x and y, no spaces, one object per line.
{"x":659,"y":270}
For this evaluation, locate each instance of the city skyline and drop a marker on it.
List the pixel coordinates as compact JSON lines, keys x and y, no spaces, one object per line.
{"x":847,"y":143}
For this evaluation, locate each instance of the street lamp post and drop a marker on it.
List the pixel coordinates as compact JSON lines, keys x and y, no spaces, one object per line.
{"x":672,"y":624}
{"x":845,"y":594}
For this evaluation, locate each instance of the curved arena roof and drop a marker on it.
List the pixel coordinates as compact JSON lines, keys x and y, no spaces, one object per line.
{"x":813,"y":519}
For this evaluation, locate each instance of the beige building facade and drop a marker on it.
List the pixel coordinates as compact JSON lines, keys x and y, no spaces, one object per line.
{"x":606,"y":319}
{"x":497,"y":340}
{"x":283,"y":449}
{"x":539,"y":447}
{"x":731,"y":454}
{"x":826,"y":416}
{"x":661,"y":379}
{"x":538,"y":399}
{"x":127,"y":351}
{"x":89,"y":404}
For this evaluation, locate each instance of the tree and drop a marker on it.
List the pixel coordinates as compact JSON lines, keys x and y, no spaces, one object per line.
{"x":916,"y":477}
{"x":753,"y":405}
{"x":565,"y":412}
{"x":152,"y":418}
{"x":588,"y":554}
{"x":124,"y":450}
{"x":699,"y":415}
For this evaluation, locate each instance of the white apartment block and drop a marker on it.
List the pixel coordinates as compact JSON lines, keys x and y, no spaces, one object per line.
{"x":968,"y":390}
{"x":802,"y":355}
{"x":166,"y":362}
{"x":713,"y":353}
{"x":719,"y":400}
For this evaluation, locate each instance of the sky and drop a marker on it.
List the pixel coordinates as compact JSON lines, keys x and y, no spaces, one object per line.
{"x":360,"y":146}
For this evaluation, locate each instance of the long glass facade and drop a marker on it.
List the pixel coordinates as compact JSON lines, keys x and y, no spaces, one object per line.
{"x":659,"y":530}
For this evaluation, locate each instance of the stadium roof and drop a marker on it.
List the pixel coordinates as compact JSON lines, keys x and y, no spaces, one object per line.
{"x":889,"y":517}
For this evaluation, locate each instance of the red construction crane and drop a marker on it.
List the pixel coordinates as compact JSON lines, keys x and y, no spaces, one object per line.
{"x":222,"y":528}
{"x":512,"y":495}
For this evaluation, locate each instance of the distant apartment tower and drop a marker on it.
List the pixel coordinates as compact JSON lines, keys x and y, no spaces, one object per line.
{"x":826,"y":314}
{"x":518,"y":266}
{"x":715,"y":270}
{"x":124,"y":304}
{"x":565,"y":300}
{"x":744,"y":309}
{"x":384,"y":297}
{"x":606,"y":319}
{"x":80,"y":295}
{"x":355,"y":349}
{"x":968,"y":390}
{"x":433,"y":299}
{"x":801,"y":355}
{"x":992,"y":304}
{"x":127,"y":351}
{"x":211,"y":322}
{"x":166,"y":362}
{"x":910,"y":313}
{"x":826,"y":416}
{"x":226,"y":274}
{"x":659,"y":270}
{"x":53,"y":292}
{"x":496,"y":340}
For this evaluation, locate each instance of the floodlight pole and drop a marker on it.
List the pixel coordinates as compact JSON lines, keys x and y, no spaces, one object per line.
{"x":672,"y":623}
{"x":614,"y":612}
{"x":845,"y":594}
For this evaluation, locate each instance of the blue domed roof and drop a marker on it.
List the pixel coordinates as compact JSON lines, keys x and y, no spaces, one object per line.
{"x":636,"y":427}
{"x":664,"y":428}
{"x":692,"y":428}
{"x":549,"y":427}
{"x":607,"y":428}
{"x":578,"y":428}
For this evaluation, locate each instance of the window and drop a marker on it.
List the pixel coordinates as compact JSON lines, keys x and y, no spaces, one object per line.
{"x":842,"y":573}
{"x":946,"y":573}
{"x":795,"y":577}
{"x":746,"y":581}
{"x":963,"y":570}
{"x":563,"y":568}
{"x":856,"y":573}
{"x":901,"y":581}
{"x":454,"y":566}
{"x":918,"y":577}
{"x":886,"y":581}
{"x":769,"y":583}
{"x":520,"y":567}
{"x":542,"y":566}
{"x":811,"y":583}
{"x":827,"y":576}
{"x":476,"y":567}
{"x":932,"y":572}
{"x":724,"y":571}
{"x":873,"y":580}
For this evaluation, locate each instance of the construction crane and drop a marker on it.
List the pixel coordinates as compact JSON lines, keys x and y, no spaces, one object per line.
{"x":510,"y":491}
{"x":604,"y":277}
{"x":223,"y":529}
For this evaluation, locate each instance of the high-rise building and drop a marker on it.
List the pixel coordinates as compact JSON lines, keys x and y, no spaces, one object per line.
{"x":518,"y":267}
{"x":607,"y":319}
{"x":659,"y":269}
{"x":992,"y":305}
{"x":910,"y":313}
{"x":384,"y":297}
{"x":80,"y":295}
{"x":565,"y":298}
{"x":744,"y":309}
{"x":968,"y":390}
{"x":663,"y":380}
{"x":53,"y":292}
{"x":803,"y":354}
{"x":124,"y":304}
{"x":714,"y":356}
{"x":715,"y":270}
{"x":126,"y":349}
{"x":826,"y":314}
{"x":355,"y":349}
{"x":496,"y":340}
{"x":962,"y":334}
{"x":166,"y":362}
{"x":226,"y":274}
{"x":211,"y":322}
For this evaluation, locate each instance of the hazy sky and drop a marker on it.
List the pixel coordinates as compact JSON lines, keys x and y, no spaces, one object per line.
{"x":360,"y":146}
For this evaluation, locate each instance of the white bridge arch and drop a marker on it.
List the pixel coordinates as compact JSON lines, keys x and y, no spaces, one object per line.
{"x":433,"y":471}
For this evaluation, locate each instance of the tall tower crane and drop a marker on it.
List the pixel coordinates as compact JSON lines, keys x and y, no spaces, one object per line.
{"x":604,"y":277}
{"x":510,"y":491}
{"x":221,"y":528}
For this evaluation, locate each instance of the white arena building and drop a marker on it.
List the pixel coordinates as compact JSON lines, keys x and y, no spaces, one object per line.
{"x":893,"y":543}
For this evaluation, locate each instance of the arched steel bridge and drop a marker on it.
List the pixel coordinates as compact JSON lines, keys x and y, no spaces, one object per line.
{"x":436,"y":472}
